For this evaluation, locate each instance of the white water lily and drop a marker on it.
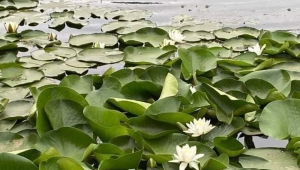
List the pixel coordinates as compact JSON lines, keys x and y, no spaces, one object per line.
{"x":193,"y":89}
{"x":52,"y":36}
{"x":99,"y":45}
{"x":187,"y":155}
{"x":11,"y":27}
{"x":176,"y":36}
{"x":167,"y":42}
{"x":256,"y":49}
{"x":199,"y":127}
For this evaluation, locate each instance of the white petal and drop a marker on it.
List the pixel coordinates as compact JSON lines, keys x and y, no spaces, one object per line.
{"x":198,"y":156}
{"x":175,"y":161}
{"x":182,"y":166}
{"x":194,"y":165}
{"x":178,"y":150}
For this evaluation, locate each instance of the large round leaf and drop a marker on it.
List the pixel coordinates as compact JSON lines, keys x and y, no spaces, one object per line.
{"x":89,"y":39}
{"x":196,"y":62}
{"x":153,"y":36}
{"x":280,"y":119}
{"x":105,"y":56}
{"x":13,"y":162}
{"x":69,"y":142}
{"x":147,"y":55}
{"x":54,"y":93}
{"x":269,"y":158}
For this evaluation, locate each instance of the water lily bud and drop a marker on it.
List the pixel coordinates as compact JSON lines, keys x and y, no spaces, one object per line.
{"x":11,"y":27}
{"x":151,"y":163}
{"x":52,"y":36}
{"x":99,"y":45}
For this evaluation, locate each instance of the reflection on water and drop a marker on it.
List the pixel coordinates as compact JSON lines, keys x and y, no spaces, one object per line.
{"x":269,"y":142}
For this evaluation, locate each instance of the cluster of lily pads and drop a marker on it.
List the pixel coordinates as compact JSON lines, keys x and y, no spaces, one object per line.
{"x":186,"y":95}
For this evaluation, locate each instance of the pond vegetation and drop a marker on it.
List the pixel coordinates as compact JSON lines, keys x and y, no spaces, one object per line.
{"x":186,"y":95}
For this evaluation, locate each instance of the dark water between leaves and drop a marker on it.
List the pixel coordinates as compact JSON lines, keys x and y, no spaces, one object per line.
{"x":262,"y":14}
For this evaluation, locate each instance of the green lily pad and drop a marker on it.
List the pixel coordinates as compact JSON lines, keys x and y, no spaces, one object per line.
{"x":126,"y":27}
{"x":19,"y":109}
{"x":196,"y":62}
{"x":234,"y":106}
{"x":229,"y":145}
{"x":15,"y":75}
{"x":105,"y":56}
{"x":29,"y":62}
{"x":148,"y":55}
{"x":54,"y":93}
{"x":153,"y":36}
{"x":280,"y":37}
{"x":128,"y":15}
{"x":108,"y":126}
{"x":73,"y":62}
{"x":16,"y":93}
{"x":85,"y":12}
{"x":69,"y":142}
{"x":197,"y":36}
{"x":8,"y":58}
{"x":11,"y":161}
{"x":268,"y":158}
{"x":202,"y":27}
{"x":279,"y":119}
{"x":36,"y":38}
{"x":228,"y":33}
{"x":82,"y":85}
{"x":131,"y":106}
{"x":66,"y":18}
{"x":151,"y":128}
{"x":57,"y":68}
{"x":17,"y":4}
{"x":51,"y":53}
{"x":31,"y":18}
{"x":89,"y":39}
{"x":239,"y":44}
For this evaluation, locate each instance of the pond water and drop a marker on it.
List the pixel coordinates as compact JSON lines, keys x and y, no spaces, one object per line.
{"x":262,"y":14}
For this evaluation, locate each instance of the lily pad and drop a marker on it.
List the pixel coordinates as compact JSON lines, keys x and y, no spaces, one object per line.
{"x":15,"y":75}
{"x":11,"y":161}
{"x":31,"y":18}
{"x":128,"y":15}
{"x":66,"y":18}
{"x":279,"y":119}
{"x":153,"y":36}
{"x":126,"y":27}
{"x":197,"y":36}
{"x":105,"y":56}
{"x":51,"y":53}
{"x":239,"y":44}
{"x":89,"y":39}
{"x":69,"y":142}
{"x":268,"y":158}
{"x":17,"y":4}
{"x":147,"y":55}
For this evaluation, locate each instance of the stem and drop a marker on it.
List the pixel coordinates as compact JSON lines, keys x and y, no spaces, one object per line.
{"x":195,"y":80}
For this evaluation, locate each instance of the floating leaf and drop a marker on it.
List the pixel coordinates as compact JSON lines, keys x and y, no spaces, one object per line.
{"x":89,"y":39}
{"x":147,"y":55}
{"x":153,"y":36}
{"x":69,"y":142}
{"x":126,"y":27}
{"x":105,"y":56}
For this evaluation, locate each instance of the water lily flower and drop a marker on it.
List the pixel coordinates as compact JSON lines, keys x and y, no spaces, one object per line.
{"x":167,"y":42}
{"x":99,"y":45}
{"x":52,"y":36}
{"x":11,"y":27}
{"x":199,"y":127}
{"x":256,"y":49}
{"x":187,"y":155}
{"x":193,"y":89}
{"x":176,"y":36}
